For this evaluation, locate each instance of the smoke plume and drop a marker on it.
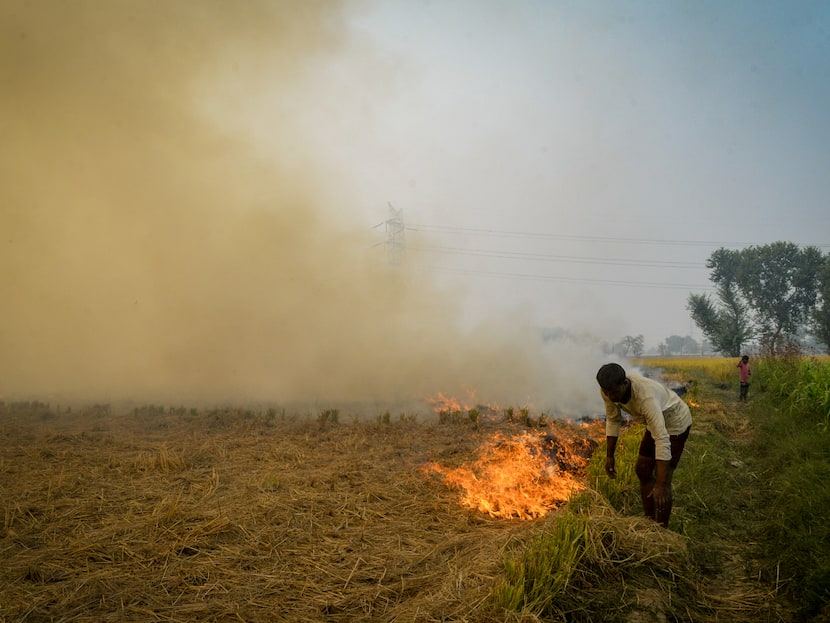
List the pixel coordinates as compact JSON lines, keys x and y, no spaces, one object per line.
{"x":149,"y":254}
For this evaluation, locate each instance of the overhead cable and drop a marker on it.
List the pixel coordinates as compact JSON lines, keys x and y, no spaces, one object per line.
{"x":556,"y":258}
{"x":451,"y":229}
{"x":612,"y":282}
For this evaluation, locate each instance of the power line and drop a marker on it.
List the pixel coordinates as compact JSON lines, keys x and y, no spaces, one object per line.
{"x":451,"y":229}
{"x":523,"y":255}
{"x":573,"y":259}
{"x":610,"y":282}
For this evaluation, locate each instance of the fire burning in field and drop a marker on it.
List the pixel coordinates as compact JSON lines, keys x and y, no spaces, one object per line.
{"x":447,"y":404}
{"x":520,"y":477}
{"x":441,"y":403}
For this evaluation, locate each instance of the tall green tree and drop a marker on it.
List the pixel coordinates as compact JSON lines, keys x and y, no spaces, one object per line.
{"x":728,"y":326}
{"x":779,"y":281}
{"x":769,"y":291}
{"x":819,"y":324}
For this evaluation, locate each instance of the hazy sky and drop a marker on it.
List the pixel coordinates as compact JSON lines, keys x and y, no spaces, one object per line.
{"x":189,"y":191}
{"x":579,"y":160}
{"x":623,"y":141}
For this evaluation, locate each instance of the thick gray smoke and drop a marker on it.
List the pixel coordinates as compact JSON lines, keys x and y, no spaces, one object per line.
{"x":146,"y":255}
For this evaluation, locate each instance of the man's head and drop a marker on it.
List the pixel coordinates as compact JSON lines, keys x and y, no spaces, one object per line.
{"x":745,"y":358}
{"x":613,"y":382}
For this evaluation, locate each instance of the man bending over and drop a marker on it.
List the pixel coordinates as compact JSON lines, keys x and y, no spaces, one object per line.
{"x":668,"y":421}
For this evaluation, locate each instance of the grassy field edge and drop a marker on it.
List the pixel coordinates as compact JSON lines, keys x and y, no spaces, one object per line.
{"x":748,"y":539}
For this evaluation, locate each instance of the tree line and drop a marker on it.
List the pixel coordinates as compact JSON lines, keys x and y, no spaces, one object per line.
{"x":776,"y":294}
{"x":634,"y":345}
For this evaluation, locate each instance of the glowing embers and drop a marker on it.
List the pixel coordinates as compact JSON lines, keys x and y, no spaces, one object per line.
{"x":520,"y":477}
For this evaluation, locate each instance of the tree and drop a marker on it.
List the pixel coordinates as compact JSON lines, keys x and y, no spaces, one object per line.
{"x":819,"y":324}
{"x":779,"y":282}
{"x":728,"y":327}
{"x":690,"y":345}
{"x":634,"y":345}
{"x":681,"y":345}
{"x":674,"y":344}
{"x":768,"y":290}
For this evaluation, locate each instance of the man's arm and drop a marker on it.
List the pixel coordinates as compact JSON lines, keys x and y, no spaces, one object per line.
{"x":613,"y":419}
{"x":610,"y":462}
{"x":662,"y":486}
{"x":662,"y":474}
{"x":656,"y":423}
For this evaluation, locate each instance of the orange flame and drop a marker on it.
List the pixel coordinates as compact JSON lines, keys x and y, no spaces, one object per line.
{"x":443,"y":404}
{"x":524,"y":477}
{"x":446,"y":404}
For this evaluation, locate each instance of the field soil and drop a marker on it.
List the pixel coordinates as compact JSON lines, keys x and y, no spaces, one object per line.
{"x":227,"y":515}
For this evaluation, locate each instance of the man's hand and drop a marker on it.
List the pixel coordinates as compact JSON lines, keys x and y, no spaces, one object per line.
{"x":662,"y":496}
{"x":610,"y":467}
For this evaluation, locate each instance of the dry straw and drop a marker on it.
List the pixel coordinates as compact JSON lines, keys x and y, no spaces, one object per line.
{"x":241,"y":516}
{"x":234,"y":516}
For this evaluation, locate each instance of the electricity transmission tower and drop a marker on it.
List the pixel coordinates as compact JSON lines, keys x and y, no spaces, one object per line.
{"x":395,"y":239}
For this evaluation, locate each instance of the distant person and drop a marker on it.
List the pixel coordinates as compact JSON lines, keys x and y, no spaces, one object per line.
{"x":743,"y":377}
{"x":668,"y":421}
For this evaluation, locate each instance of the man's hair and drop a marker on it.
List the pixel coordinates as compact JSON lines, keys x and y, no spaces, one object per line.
{"x":610,"y":375}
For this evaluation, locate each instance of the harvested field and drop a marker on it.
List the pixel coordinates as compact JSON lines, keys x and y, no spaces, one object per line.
{"x":226,"y":515}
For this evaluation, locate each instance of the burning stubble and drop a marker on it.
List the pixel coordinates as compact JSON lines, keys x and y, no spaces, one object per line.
{"x":523,"y":476}
{"x":148,"y":255}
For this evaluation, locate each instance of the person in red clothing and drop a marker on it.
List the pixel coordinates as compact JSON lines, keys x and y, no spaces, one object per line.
{"x":743,"y":376}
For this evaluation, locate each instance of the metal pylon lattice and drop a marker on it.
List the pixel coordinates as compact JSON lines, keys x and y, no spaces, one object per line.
{"x":395,"y":238}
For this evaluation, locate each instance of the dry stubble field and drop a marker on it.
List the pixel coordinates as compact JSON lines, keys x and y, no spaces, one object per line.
{"x":238,"y":516}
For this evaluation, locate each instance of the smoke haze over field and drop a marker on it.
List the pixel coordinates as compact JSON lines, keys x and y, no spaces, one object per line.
{"x":147,"y":253}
